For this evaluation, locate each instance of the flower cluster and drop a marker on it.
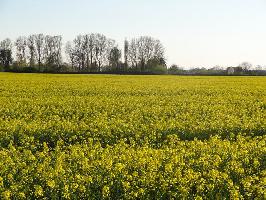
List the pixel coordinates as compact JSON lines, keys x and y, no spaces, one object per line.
{"x":132,"y":137}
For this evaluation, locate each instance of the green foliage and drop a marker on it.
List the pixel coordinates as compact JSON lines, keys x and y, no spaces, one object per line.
{"x":132,"y":137}
{"x":157,"y":69}
{"x":5,"y":58}
{"x":156,"y":66}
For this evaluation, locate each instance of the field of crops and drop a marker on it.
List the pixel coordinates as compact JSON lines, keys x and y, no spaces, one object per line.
{"x":132,"y":137}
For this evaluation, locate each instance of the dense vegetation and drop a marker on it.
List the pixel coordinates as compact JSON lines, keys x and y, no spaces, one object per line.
{"x":128,"y":137}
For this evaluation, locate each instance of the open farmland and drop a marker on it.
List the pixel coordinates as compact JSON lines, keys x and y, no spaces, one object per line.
{"x":126,"y":137}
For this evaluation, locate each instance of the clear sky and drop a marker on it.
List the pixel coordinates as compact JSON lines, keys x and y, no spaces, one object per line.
{"x":195,"y":33}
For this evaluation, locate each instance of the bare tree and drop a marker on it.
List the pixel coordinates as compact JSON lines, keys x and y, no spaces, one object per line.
{"x":133,"y":54}
{"x":80,"y":52}
{"x":158,"y":50}
{"x":58,"y":50}
{"x":32,"y":52}
{"x":39,"y":46}
{"x":89,"y":52}
{"x":91,"y":49}
{"x":126,"y":46}
{"x":6,"y":44}
{"x":246,"y":66}
{"x":100,"y":49}
{"x":21,"y":46}
{"x":145,"y":50}
{"x":77,"y":52}
{"x":52,"y":51}
{"x":70,"y":53}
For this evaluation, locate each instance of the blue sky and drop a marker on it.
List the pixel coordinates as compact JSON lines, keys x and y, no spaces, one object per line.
{"x":199,"y":33}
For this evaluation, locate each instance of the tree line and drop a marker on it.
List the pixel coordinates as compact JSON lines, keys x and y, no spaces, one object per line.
{"x":96,"y":53}
{"x":92,"y":52}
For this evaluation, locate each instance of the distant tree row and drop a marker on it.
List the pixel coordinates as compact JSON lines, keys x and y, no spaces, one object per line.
{"x":86,"y":53}
{"x":96,"y":53}
{"x":244,"y":68}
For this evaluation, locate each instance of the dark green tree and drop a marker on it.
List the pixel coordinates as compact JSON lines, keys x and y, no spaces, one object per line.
{"x":5,"y":58}
{"x":114,"y":59}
